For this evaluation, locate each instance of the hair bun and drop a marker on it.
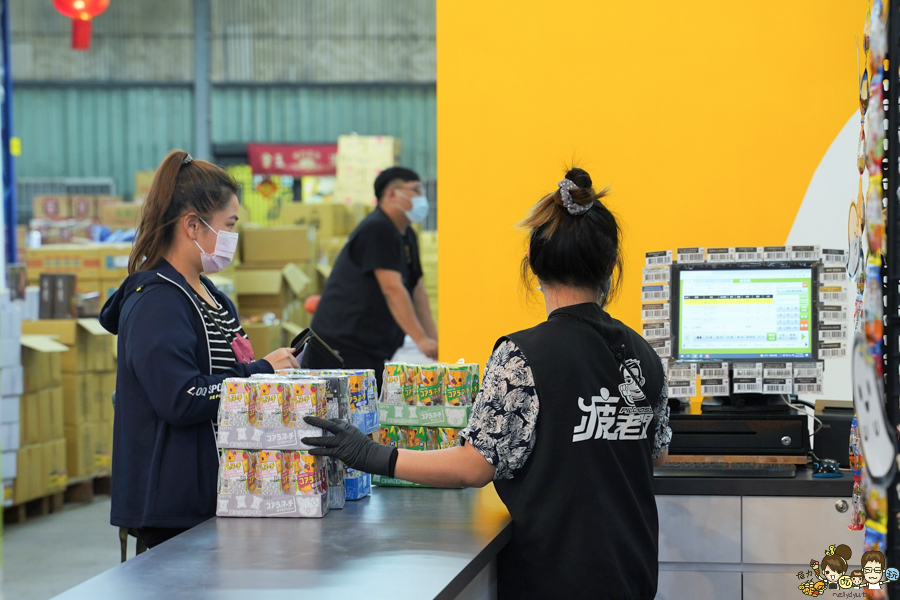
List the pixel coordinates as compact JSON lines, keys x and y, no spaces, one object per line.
{"x":580,"y":178}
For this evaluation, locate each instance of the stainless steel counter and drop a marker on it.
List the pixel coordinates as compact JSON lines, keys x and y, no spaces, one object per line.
{"x":400,"y":543}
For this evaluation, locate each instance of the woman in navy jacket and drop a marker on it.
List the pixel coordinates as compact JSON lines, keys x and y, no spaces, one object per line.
{"x":179,"y":339}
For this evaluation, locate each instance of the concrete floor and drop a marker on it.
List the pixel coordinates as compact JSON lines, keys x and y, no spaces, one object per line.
{"x":48,"y":555}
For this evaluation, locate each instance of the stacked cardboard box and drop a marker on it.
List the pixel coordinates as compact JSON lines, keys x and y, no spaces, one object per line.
{"x":63,"y":218}
{"x":11,"y":383}
{"x":88,"y":381}
{"x":98,"y":268}
{"x":276,"y":275}
{"x":360,"y":159}
{"x":428,"y":257}
{"x":41,"y":456}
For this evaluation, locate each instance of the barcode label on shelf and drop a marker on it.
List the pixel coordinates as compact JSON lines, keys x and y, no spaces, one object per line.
{"x":662,"y":347}
{"x":651,"y":293}
{"x":832,"y":349}
{"x":783,"y":369}
{"x":748,"y":254}
{"x":683,"y":371}
{"x":778,"y":386}
{"x":656,"y":331}
{"x":774,"y":253}
{"x":715,"y":255}
{"x":813,"y":369}
{"x":682,"y":388}
{"x":807,"y":385}
{"x":743,"y":369}
{"x":747,"y":385}
{"x":657,"y":259}
{"x":690,"y":255}
{"x":805,"y":252}
{"x":709,"y":370}
{"x":714,"y":387}
{"x":834,"y":257}
{"x":834,"y":331}
{"x":833,"y":312}
{"x":656,"y":274}
{"x":833,"y":274}
{"x":654,"y":312}
{"x":833,"y":293}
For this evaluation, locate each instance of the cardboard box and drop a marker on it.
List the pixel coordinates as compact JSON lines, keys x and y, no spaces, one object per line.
{"x":45,"y":416}
{"x":29,"y":418}
{"x":55,"y":471}
{"x":330,"y":248}
{"x":42,"y":361}
{"x":10,"y":411}
{"x":92,"y":394}
{"x":102,"y":200}
{"x":107,"y":389}
{"x":274,"y":247}
{"x":79,"y":450}
{"x":25,"y":475}
{"x":78,"y":259}
{"x":65,"y":301}
{"x":83,"y":207}
{"x":83,"y":337}
{"x":121,"y":215}
{"x":143,"y":180}
{"x":77,"y":401}
{"x":57,"y":413}
{"x":271,"y":290}
{"x":11,"y":381}
{"x":53,"y":206}
{"x":113,"y":261}
{"x":101,"y":444}
{"x":329,"y":220}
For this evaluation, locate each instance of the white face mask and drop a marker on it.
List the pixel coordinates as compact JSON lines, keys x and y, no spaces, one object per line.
{"x":226,"y":244}
{"x":419,"y":210}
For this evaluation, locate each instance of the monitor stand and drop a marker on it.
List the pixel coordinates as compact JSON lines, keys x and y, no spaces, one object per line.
{"x":745,"y":403}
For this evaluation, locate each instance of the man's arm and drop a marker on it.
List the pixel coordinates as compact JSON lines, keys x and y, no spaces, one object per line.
{"x":423,"y":309}
{"x":401,"y":306}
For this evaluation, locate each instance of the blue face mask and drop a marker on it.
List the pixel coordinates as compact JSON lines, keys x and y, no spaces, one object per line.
{"x":419,"y":210}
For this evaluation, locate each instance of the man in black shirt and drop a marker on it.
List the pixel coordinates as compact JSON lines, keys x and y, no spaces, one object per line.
{"x":375,"y":292}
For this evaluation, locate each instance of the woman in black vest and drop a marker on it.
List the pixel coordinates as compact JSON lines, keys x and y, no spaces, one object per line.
{"x":570,"y":421}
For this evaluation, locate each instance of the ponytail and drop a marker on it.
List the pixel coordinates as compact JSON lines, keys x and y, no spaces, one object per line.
{"x":574,"y":240}
{"x":180,"y":185}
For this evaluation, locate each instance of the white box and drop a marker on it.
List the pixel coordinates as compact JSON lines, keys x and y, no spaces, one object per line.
{"x":10,"y":318}
{"x":9,"y":436}
{"x":10,"y":352}
{"x":11,"y":381}
{"x":9,"y":409}
{"x":31,"y":308}
{"x":8,"y":465}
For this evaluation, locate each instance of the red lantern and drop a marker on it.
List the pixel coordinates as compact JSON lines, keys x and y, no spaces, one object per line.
{"x":81,"y":12}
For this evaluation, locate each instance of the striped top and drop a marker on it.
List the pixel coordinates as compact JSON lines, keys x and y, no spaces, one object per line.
{"x":220,"y":347}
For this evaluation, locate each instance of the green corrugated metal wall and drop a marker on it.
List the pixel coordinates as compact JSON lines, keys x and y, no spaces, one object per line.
{"x":321,"y":114}
{"x":113,"y":132}
{"x":100,"y":132}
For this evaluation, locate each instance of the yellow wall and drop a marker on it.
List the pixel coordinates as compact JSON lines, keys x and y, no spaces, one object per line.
{"x":708,"y":119}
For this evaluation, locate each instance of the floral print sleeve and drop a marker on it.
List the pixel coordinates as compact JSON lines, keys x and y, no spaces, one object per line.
{"x":504,"y":415}
{"x":662,"y":436}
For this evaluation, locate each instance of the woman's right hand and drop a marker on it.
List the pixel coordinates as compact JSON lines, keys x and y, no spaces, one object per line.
{"x":283,"y":358}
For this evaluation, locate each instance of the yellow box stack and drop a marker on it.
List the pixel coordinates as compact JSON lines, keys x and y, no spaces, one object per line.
{"x":88,"y":380}
{"x":41,"y":468}
{"x":98,"y":267}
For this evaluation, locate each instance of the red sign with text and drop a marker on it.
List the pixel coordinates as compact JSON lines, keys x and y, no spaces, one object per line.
{"x":292,"y":159}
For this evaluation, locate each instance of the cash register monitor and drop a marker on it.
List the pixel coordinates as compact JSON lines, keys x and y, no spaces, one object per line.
{"x":752,"y":313}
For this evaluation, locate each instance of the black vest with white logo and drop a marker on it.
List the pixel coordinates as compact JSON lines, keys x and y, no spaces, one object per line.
{"x":583,"y":510}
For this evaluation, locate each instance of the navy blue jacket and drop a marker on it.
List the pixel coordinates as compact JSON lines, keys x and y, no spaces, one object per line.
{"x":165,"y":464}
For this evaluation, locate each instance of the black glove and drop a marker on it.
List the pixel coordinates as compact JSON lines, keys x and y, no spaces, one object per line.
{"x":349,"y":444}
